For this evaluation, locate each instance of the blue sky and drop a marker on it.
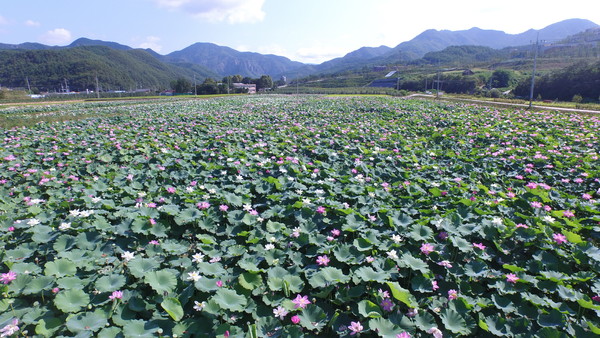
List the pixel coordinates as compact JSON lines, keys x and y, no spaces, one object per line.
{"x":310,"y":31}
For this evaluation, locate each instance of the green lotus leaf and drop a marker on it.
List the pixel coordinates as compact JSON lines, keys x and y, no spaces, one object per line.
{"x":38,"y":284}
{"x":71,"y":300}
{"x":421,"y":233}
{"x":20,"y":283}
{"x":162,"y":281}
{"x":68,"y":283}
{"x":250,"y":280}
{"x":139,"y":329}
{"x":110,"y":283}
{"x":230,"y":300}
{"x":368,"y":274}
{"x":173,"y":308}
{"x":90,"y":321}
{"x":327,"y":276}
{"x":362,"y":244}
{"x":476,"y":269}
{"x":64,"y":243}
{"x":60,"y":268}
{"x":402,"y":295}
{"x":138,"y":267}
{"x":455,"y":322}
{"x":425,"y":321}
{"x":552,"y":319}
{"x":48,"y":326}
{"x":313,"y":317}
{"x":369,"y":309}
{"x":409,"y":261}
{"x":187,"y":216}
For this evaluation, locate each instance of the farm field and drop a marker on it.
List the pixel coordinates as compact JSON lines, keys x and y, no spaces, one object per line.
{"x":275,"y":216}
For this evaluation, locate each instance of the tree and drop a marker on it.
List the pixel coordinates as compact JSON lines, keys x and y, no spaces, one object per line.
{"x":236,"y":78}
{"x":501,"y":78}
{"x":181,"y":86}
{"x":264,"y":82}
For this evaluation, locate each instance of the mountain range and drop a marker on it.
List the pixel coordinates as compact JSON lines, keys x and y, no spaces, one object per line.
{"x":126,"y":67}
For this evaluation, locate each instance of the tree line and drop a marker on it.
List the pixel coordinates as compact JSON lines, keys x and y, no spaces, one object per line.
{"x":578,"y":82}
{"x":211,"y":86}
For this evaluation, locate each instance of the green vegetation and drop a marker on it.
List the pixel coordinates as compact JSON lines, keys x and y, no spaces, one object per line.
{"x":77,"y":69}
{"x":299,"y":216}
{"x":580,"y":81}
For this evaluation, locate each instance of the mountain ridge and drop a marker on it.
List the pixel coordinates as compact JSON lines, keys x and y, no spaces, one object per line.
{"x":210,"y":59}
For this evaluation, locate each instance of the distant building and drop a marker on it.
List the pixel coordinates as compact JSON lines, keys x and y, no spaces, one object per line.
{"x":389,"y":82}
{"x":250,"y":87}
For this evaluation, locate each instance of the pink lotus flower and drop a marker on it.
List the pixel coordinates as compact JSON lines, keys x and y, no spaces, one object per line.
{"x":219,"y":283}
{"x":8,"y":277}
{"x":223,"y":207}
{"x":434,"y":285}
{"x":403,"y":335}
{"x":295,"y":319}
{"x":355,"y":327}
{"x":203,"y":205}
{"x":559,"y":238}
{"x":321,"y":209}
{"x":427,"y":248}
{"x":452,"y":294}
{"x":512,"y":278}
{"x":300,"y":302}
{"x":479,"y":246}
{"x":531,"y":185}
{"x":435,"y":332}
{"x":323,"y":260}
{"x":171,"y":190}
{"x":536,"y":204}
{"x":10,"y":329}
{"x":568,"y":213}
{"x":116,"y":295}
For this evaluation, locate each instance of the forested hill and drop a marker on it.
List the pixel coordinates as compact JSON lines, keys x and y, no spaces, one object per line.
{"x":46,"y":70}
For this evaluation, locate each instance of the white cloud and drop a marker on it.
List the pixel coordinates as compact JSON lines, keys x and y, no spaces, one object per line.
{"x":32,"y":23}
{"x":151,"y":42}
{"x":56,"y":36}
{"x":232,"y":11}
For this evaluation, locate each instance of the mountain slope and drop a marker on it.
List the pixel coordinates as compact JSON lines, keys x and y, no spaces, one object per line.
{"x":433,"y":40}
{"x":79,"y":66}
{"x":228,"y":61}
{"x":89,"y":42}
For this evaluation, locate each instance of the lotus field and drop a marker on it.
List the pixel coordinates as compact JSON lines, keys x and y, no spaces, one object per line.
{"x":273,"y":216}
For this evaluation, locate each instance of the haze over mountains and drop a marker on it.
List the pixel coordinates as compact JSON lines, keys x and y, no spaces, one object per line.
{"x":84,"y":59}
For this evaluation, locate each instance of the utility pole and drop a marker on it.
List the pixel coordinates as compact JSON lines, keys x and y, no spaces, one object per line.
{"x":97,"y":87}
{"x":28,"y":86}
{"x":537,"y":39}
{"x":195,"y":87}
{"x":437,"y":94}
